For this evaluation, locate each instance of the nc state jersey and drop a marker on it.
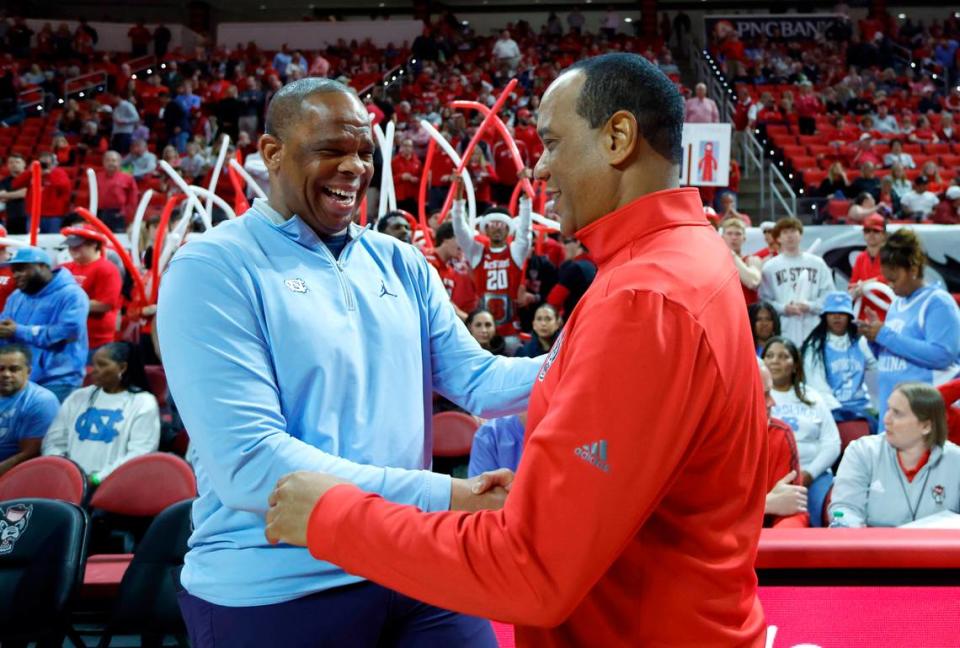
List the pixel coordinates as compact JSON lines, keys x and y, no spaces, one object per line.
{"x":498,"y":278}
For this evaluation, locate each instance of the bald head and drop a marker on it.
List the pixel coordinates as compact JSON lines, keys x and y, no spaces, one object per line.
{"x":286,"y":107}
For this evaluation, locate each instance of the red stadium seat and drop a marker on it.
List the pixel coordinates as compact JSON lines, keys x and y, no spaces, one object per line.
{"x":453,"y":434}
{"x":851,"y":431}
{"x":838,"y":208}
{"x":158,"y":383}
{"x":913,"y":149}
{"x":146,"y":485}
{"x":802,"y":162}
{"x":794,"y":150}
{"x":46,"y":478}
{"x":813,"y":177}
{"x":941,"y":148}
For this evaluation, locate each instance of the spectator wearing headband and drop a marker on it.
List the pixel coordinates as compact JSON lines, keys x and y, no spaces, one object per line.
{"x":772,"y":248}
{"x":497,"y":264}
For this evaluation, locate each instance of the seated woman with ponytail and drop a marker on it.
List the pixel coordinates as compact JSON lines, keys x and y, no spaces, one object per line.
{"x":111,"y":421}
{"x":836,"y":358}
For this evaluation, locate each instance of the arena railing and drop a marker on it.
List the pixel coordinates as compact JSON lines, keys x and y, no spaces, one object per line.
{"x":31,"y":99}
{"x":84,"y":85}
{"x":397,"y":72}
{"x":777,"y":194}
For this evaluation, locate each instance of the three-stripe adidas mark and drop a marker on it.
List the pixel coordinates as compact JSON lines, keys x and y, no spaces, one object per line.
{"x":595,"y":454}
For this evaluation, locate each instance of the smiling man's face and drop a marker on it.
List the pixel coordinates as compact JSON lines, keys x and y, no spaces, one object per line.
{"x":323,"y":161}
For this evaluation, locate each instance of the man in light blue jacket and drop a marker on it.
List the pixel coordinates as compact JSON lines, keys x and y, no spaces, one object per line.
{"x":294,"y":339}
{"x":48,"y":313}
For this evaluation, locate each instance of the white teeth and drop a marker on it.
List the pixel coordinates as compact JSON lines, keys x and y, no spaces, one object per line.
{"x":342,"y":195}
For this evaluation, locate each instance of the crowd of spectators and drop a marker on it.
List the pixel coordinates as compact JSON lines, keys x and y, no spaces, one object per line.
{"x":513,"y":284}
{"x":869,"y":100}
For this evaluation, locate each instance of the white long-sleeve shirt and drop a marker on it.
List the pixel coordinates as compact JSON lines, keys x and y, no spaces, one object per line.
{"x":818,"y":439}
{"x":100,"y":431}
{"x":473,"y":249}
{"x":803,"y":278}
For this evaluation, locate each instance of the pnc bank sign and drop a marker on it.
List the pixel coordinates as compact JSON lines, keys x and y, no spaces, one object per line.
{"x":789,"y":27}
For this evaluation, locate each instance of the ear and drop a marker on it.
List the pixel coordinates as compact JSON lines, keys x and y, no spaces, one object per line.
{"x":621,"y":137}
{"x":271,"y":148}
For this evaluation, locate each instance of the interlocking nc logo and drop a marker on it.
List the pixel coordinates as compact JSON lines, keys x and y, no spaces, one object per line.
{"x":296,"y":285}
{"x":594,"y":454}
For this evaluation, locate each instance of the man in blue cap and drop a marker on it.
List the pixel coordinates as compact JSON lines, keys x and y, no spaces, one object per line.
{"x":48,"y":313}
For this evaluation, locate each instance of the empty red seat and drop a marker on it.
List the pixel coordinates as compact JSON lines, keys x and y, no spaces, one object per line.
{"x":940,"y":148}
{"x":804,"y":162}
{"x":146,"y":485}
{"x":46,"y":478}
{"x":157,"y":379}
{"x":794,"y":150}
{"x":837,"y":208}
{"x":813,"y":177}
{"x":851,"y":431}
{"x":453,"y":434}
{"x":913,"y":149}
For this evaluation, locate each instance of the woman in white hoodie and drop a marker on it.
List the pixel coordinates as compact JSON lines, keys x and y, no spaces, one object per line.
{"x":111,"y":421}
{"x":807,"y":413}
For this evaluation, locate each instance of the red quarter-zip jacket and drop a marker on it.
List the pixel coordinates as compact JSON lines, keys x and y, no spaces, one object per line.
{"x":637,"y":506}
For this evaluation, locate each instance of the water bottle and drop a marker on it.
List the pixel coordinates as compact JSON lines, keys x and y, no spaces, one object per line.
{"x":837,"y":521}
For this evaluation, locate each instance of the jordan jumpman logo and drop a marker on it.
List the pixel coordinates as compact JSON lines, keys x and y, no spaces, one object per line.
{"x":384,"y":291}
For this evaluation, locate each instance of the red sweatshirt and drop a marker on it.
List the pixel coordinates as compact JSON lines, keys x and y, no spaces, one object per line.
{"x":636,"y":510}
{"x":866,"y":267}
{"x":951,"y":394}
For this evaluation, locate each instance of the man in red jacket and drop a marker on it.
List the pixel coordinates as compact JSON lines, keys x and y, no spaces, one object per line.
{"x":54,"y":192}
{"x":636,"y":509}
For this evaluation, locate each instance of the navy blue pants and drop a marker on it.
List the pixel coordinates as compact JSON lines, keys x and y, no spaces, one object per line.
{"x":364,"y":615}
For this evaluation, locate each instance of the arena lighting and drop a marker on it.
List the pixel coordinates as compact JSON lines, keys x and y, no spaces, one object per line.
{"x":59,"y":101}
{"x":933,"y":76}
{"x":912,"y":64}
{"x":781,"y":162}
{"x":100,"y":89}
{"x":801,"y":192}
{"x":902,"y":16}
{"x":163,"y":66}
{"x":413,"y":61}
{"x":39,"y":107}
{"x":628,"y":19}
{"x":80,"y":95}
{"x":791,"y":176}
{"x":133,"y":76}
{"x":149,"y":71}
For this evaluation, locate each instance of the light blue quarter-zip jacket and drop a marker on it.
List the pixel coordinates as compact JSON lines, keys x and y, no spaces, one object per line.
{"x":281,"y":358}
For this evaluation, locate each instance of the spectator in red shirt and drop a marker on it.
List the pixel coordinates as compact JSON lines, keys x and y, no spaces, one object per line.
{"x":483,"y":177}
{"x":948,"y":211}
{"x":526,"y":132}
{"x":99,"y":278}
{"x":867,"y":265}
{"x":407,"y":168}
{"x":808,"y":106}
{"x":506,"y":170}
{"x":55,"y":193}
{"x":140,"y":38}
{"x":117,"y":193}
{"x":447,"y":258}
